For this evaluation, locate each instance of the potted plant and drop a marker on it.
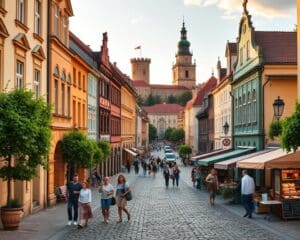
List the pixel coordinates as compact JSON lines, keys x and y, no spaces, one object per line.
{"x":24,"y":144}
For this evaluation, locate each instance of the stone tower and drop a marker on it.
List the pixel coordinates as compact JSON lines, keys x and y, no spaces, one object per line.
{"x":184,"y":71}
{"x":140,"y":69}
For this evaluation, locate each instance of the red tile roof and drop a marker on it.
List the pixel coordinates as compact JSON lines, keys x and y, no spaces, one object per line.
{"x":140,"y":83}
{"x":232,"y":47}
{"x":277,"y":47}
{"x":160,"y":86}
{"x":208,"y":87}
{"x":164,"y":108}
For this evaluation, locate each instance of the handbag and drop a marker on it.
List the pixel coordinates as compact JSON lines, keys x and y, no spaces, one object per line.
{"x":113,"y":201}
{"x":128,"y":196}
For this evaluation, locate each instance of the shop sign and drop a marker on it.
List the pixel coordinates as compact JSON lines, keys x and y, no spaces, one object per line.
{"x":226,"y":142}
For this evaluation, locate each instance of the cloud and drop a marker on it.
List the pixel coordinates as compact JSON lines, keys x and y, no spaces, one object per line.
{"x":136,"y":20}
{"x":264,"y":8}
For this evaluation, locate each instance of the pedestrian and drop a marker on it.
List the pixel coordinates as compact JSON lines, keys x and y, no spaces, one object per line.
{"x":144,"y":166}
{"x":198,"y":177}
{"x":73,"y":191}
{"x":122,"y":190}
{"x":128,"y":166}
{"x":176,"y":173}
{"x":85,"y":199}
{"x":193,"y":176}
{"x":107,"y":191}
{"x":136,"y":166}
{"x":212,"y":185}
{"x":97,"y":178}
{"x":154,"y":168}
{"x":166,"y":174}
{"x":247,"y":190}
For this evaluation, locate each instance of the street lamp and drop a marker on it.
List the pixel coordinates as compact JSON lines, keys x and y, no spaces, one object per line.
{"x":278,"y":107}
{"x":226,"y":128}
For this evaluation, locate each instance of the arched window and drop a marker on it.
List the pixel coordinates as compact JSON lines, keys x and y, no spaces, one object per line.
{"x":69,"y":79}
{"x":186,"y":74}
{"x":56,"y":71}
{"x":63,"y":76}
{"x":254,"y":105}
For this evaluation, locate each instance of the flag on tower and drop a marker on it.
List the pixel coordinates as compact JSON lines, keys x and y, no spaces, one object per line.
{"x":138,"y":47}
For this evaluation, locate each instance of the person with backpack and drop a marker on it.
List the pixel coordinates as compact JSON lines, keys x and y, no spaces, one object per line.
{"x":122,"y":190}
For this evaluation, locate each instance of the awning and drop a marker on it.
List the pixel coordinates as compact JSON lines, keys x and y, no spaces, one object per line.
{"x":259,"y":161}
{"x":225,"y":156}
{"x":231,"y":163}
{"x":291,"y":160}
{"x":130,"y":152}
{"x":201,"y":156}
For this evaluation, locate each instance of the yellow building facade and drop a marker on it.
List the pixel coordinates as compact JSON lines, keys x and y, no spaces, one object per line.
{"x":23,"y":47}
{"x":128,"y":119}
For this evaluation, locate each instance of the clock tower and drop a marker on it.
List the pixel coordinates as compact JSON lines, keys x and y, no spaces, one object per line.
{"x":184,"y":71}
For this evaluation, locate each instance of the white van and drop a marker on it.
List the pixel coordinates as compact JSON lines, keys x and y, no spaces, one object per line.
{"x":170,"y":157}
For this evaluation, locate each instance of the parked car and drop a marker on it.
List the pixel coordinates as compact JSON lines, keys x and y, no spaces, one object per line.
{"x":170,"y":157}
{"x":168,"y":149}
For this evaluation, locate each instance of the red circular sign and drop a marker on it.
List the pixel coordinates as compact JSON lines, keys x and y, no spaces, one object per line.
{"x":226,"y":142}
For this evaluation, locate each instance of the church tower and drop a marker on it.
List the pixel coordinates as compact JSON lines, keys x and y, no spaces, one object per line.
{"x":184,"y":71}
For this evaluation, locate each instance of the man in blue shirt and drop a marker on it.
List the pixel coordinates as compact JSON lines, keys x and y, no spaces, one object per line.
{"x":74,"y":188}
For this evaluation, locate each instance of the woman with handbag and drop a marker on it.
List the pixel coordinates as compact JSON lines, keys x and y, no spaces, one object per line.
{"x":85,"y":199}
{"x":123,"y":193}
{"x":107,"y":192}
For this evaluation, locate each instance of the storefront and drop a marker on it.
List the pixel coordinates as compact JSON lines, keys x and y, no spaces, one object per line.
{"x":285,"y":182}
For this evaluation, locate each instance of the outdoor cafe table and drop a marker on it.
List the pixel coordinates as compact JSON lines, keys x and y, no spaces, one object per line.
{"x":270,"y":203}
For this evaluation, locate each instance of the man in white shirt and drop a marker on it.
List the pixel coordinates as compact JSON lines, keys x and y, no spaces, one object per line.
{"x":247,"y":190}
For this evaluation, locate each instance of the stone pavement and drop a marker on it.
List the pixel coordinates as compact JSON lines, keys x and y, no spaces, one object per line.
{"x":174,"y":213}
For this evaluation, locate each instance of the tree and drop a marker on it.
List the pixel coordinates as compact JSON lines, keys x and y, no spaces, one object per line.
{"x":152,"y":132}
{"x":275,"y":129}
{"x":290,"y":139}
{"x":24,"y":136}
{"x":177,"y":135}
{"x":171,"y":99}
{"x":105,"y":147}
{"x":79,"y":151}
{"x":185,"y":150}
{"x":157,"y":99}
{"x":168,"y":134}
{"x":140,"y":101}
{"x":150,"y":101}
{"x":184,"y":98}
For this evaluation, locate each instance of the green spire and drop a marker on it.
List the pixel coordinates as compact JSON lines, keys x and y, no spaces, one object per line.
{"x":183,"y":44}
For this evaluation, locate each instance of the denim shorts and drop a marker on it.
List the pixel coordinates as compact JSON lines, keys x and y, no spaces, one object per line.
{"x":105,"y":203}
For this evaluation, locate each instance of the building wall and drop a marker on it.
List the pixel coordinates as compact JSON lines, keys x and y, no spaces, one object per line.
{"x":279,"y":80}
{"x":163,"y":121}
{"x":24,"y":43}
{"x":128,"y":122}
{"x":191,"y":128}
{"x":298,"y":49}
{"x":92,"y":117}
{"x":222,"y":111}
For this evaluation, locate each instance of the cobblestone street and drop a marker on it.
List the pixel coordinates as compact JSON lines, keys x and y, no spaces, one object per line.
{"x":160,"y":213}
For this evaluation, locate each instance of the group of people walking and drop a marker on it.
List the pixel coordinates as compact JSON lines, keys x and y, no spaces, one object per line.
{"x":171,"y":171}
{"x":80,"y":198}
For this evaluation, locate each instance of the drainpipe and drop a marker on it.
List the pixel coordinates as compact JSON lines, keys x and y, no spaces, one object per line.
{"x":46,"y":177}
{"x":263,"y":109}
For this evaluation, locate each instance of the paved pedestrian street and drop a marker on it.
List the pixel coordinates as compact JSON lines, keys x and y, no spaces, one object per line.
{"x":160,"y":213}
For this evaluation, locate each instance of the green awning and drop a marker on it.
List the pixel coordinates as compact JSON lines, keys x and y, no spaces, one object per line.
{"x":225,"y":156}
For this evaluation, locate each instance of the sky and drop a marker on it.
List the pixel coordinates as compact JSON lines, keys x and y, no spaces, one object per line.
{"x":155,"y":26}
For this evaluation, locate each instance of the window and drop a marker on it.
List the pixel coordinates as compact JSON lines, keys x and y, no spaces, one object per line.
{"x":20,"y":75}
{"x":74,"y":112}
{"x":65,"y":30}
{"x":56,"y":96}
{"x":186,"y":74}
{"x":254,"y":106}
{"x":37,"y":82}
{"x":248,"y":49}
{"x":68,"y":101}
{"x":79,"y":79}
{"x":63,"y":97}
{"x":83,"y":115}
{"x":241,"y":56}
{"x":74,"y":76}
{"x":1,"y":3}
{"x":37,"y":17}
{"x":83,"y":82}
{"x":21,"y":11}
{"x":79,"y":114}
{"x":56,"y":20}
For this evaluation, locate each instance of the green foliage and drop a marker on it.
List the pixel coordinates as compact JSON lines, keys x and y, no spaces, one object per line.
{"x":24,"y":135}
{"x":105,"y":147}
{"x":185,"y":149}
{"x":157,"y":99}
{"x":275,"y":129}
{"x":152,"y":132}
{"x":227,"y":192}
{"x":290,"y":139}
{"x":14,"y":203}
{"x":177,"y":135}
{"x":184,"y":98}
{"x":150,"y":101}
{"x":79,"y":150}
{"x":171,"y":99}
{"x":168,"y":134}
